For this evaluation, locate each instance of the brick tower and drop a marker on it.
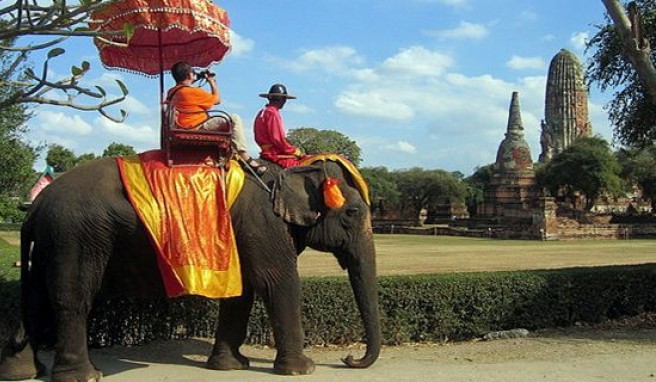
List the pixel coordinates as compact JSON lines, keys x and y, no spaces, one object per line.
{"x":566,"y":106}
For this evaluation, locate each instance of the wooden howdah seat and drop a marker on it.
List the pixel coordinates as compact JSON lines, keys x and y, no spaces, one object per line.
{"x":189,"y":146}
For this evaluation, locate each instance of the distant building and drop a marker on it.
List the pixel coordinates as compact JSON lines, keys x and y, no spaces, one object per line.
{"x":566,"y":106}
{"x":512,"y":192}
{"x":46,"y":177}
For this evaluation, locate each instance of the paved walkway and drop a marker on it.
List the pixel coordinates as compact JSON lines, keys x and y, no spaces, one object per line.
{"x":577,"y":357}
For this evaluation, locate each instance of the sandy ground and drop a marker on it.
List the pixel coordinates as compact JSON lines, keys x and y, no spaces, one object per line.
{"x":580,"y":354}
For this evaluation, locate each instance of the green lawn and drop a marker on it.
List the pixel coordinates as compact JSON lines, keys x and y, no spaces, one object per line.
{"x":8,"y":255}
{"x":414,"y":254}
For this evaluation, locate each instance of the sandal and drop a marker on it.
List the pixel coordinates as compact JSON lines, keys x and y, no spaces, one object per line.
{"x":259,"y":169}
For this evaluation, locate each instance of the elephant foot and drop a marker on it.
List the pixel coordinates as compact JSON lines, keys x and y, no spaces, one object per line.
{"x":85,"y":372}
{"x":228,"y":361}
{"x":296,"y":364}
{"x":20,"y":365}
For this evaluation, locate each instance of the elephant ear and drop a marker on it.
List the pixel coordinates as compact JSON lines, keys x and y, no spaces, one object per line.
{"x":296,"y":195}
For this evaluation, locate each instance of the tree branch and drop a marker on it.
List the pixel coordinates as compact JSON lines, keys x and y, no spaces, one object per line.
{"x":635,"y":45}
{"x":62,"y":21}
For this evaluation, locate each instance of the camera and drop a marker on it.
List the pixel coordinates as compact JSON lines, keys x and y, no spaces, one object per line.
{"x":204,"y":75}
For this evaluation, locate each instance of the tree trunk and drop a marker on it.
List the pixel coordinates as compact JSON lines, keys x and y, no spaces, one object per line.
{"x":635,"y":45}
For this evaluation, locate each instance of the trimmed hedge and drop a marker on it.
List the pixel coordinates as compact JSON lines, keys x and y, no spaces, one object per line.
{"x":413,"y":308}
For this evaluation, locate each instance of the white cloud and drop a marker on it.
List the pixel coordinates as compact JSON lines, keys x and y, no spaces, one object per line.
{"x":58,"y":122}
{"x":464,"y":31}
{"x":374,"y":103}
{"x":298,"y":108}
{"x":241,"y":46}
{"x":418,"y":61}
{"x":134,"y":106}
{"x":520,"y":63}
{"x":579,"y":39}
{"x":127,"y":133}
{"x":528,"y":16}
{"x":333,"y":59}
{"x":402,"y":146}
{"x":417,"y":94}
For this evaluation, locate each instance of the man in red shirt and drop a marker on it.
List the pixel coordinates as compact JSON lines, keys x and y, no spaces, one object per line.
{"x":269,"y":130}
{"x":192,"y":104}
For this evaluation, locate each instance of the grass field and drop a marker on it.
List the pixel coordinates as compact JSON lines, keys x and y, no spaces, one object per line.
{"x":415,"y":254}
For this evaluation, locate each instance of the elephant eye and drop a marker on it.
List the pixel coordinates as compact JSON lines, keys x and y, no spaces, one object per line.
{"x":352,"y":211}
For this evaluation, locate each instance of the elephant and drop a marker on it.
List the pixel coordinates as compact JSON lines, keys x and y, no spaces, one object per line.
{"x":86,"y":239}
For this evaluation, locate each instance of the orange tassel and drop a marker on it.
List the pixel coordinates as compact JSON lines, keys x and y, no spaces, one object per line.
{"x":332,"y":195}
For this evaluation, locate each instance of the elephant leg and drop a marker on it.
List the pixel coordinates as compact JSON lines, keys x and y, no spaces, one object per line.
{"x":284,"y":309}
{"x":19,"y":360}
{"x":72,"y":289}
{"x":231,"y":333}
{"x":72,"y":363}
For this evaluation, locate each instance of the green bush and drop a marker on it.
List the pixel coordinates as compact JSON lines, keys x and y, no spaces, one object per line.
{"x":413,"y":308}
{"x":11,"y":210}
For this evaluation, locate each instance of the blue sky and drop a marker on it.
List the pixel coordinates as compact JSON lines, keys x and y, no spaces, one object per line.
{"x":422,"y":83}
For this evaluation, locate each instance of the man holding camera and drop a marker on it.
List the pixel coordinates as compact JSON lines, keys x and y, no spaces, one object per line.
{"x":192,"y":104}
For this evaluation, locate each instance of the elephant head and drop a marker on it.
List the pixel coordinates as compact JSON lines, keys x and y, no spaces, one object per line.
{"x":345,"y":231}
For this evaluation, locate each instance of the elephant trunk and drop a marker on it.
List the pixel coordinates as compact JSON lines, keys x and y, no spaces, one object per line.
{"x":362,"y":274}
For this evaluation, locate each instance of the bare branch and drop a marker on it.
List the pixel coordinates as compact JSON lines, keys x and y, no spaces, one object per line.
{"x":61,"y":21}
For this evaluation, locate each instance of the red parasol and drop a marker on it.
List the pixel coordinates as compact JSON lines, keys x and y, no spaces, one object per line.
{"x":149,"y":36}
{"x":160,"y":33}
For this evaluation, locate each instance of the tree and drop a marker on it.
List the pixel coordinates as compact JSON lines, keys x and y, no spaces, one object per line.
{"x":59,"y":21}
{"x":17,"y":156}
{"x":314,"y":141}
{"x":383,"y":191}
{"x":84,"y":158}
{"x":631,"y":110}
{"x":60,"y":158}
{"x":476,"y":184}
{"x":587,"y":166}
{"x":639,"y":167}
{"x":421,"y":188}
{"x":118,"y":149}
{"x":631,"y":31}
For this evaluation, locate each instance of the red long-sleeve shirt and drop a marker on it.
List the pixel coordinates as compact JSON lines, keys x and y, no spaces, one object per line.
{"x":271,"y":137}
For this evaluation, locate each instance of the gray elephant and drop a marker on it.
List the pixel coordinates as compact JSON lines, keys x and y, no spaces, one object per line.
{"x":87,"y":239}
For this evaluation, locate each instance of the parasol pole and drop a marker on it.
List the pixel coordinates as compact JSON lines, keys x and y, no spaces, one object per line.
{"x":161,"y":85}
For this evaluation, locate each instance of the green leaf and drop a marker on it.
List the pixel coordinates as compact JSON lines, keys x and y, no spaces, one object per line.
{"x":55,"y":52}
{"x":128,"y":29}
{"x":30,"y":72}
{"x":76,"y":71}
{"x":86,"y":66}
{"x":124,"y":88}
{"x":101,"y":90}
{"x":82,"y":29}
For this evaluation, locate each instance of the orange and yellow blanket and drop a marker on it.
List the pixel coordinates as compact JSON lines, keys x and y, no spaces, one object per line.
{"x":186,"y":212}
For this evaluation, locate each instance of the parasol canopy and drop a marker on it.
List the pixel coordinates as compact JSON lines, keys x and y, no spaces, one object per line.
{"x":159,"y":33}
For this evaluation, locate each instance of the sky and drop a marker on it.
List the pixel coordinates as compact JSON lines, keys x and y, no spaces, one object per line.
{"x":415,"y":83}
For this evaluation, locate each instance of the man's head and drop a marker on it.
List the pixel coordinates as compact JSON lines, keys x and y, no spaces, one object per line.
{"x":277,"y":95}
{"x":181,"y":71}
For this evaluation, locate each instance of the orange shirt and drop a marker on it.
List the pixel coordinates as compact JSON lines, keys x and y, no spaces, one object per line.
{"x":192,"y":104}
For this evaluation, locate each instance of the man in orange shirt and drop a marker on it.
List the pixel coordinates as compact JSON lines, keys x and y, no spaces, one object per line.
{"x":192,"y":103}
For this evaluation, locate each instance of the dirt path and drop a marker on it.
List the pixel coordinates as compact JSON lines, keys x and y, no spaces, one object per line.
{"x":581,"y":355}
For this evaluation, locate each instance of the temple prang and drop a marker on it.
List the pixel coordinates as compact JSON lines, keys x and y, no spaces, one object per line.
{"x":566,"y":106}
